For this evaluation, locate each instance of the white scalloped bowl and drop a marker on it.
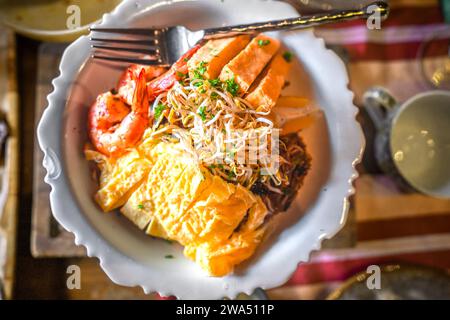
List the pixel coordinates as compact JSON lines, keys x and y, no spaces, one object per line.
{"x":126,"y":254}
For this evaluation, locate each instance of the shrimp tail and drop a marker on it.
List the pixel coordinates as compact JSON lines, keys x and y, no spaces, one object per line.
{"x":140,"y":96}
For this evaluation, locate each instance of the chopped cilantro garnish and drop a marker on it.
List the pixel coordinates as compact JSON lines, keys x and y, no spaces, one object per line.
{"x":262,"y":42}
{"x":185,"y":59}
{"x":214,"y":95}
{"x":200,"y":71}
{"x":169,"y":256}
{"x":140,"y":206}
{"x":202,"y":67}
{"x":287,"y":56}
{"x":231,"y":175}
{"x":202,"y":113}
{"x":202,"y":90}
{"x":159,"y":110}
{"x":220,"y":166}
{"x":214,"y":82}
{"x":231,"y":86}
{"x":198,"y":84}
{"x":196,"y":74}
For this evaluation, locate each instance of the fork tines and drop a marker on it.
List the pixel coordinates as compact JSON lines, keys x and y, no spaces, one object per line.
{"x":133,"y":31}
{"x":146,"y":43}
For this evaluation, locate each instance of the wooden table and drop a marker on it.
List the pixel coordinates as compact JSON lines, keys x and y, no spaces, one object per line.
{"x":48,"y":238}
{"x":9,"y":162}
{"x":45,"y":278}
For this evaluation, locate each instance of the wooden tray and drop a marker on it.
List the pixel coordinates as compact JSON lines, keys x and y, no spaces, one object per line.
{"x":9,"y":168}
{"x":48,"y":238}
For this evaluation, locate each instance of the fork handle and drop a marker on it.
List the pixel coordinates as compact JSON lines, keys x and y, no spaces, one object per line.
{"x":378,"y":7}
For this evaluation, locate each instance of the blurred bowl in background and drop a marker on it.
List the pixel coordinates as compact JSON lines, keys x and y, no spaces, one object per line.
{"x":397,"y":282}
{"x":48,"y":20}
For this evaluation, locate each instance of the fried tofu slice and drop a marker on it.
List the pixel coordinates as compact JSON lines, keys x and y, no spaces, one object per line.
{"x":250,"y":62}
{"x":119,"y":179}
{"x":216,"y":213}
{"x":191,"y":184}
{"x":145,"y":203}
{"x":264,"y":93}
{"x":293,"y":102}
{"x":215,"y":54}
{"x":137,"y":208}
{"x":155,"y":229}
{"x":150,"y":148}
{"x":219,"y":258}
{"x":256,"y":217}
{"x":293,"y":114}
{"x":122,"y":176}
{"x":201,"y":207}
{"x":173,"y":183}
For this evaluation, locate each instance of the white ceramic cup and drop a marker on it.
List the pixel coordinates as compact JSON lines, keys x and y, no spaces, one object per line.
{"x":413,"y":139}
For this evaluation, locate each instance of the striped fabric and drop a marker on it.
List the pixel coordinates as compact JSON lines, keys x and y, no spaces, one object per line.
{"x":389,"y":226}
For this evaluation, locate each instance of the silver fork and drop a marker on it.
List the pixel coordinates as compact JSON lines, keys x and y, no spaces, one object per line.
{"x":164,"y":46}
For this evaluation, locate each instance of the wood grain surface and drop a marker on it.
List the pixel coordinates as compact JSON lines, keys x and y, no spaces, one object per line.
{"x":10,"y":169}
{"x":48,"y":238}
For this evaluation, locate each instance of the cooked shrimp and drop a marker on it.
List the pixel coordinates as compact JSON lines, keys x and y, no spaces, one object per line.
{"x":127,"y":83}
{"x":166,"y":81}
{"x":113,"y":125}
{"x":158,"y":79}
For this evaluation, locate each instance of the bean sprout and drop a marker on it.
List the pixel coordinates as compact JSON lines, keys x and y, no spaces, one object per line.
{"x":216,"y":127}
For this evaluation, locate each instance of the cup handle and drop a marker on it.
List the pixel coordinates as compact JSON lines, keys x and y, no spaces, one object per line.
{"x":378,"y":102}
